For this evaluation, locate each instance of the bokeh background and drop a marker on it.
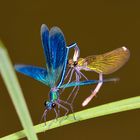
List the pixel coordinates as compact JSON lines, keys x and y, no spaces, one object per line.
{"x":97,"y":26}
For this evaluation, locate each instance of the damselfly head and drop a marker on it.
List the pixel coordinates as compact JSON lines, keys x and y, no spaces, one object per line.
{"x":72,"y":63}
{"x":53,"y":105}
{"x":49,"y":105}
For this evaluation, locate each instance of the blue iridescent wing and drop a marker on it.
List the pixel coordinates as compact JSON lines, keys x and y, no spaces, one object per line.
{"x":57,"y":55}
{"x":45,"y":44}
{"x":87,"y":82}
{"x":36,"y":73}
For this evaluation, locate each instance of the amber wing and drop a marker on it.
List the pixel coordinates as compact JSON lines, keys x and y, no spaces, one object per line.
{"x":106,"y":63}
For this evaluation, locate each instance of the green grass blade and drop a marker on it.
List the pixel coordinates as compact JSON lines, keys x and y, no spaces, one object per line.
{"x":10,"y":79}
{"x":106,"y":109}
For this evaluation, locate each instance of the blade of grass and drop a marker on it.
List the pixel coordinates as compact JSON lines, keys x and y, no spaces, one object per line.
{"x":106,"y":109}
{"x":10,"y":79}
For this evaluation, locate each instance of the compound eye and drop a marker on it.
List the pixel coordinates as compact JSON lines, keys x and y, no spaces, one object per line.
{"x":45,"y":103}
{"x":75,"y":63}
{"x":53,"y":105}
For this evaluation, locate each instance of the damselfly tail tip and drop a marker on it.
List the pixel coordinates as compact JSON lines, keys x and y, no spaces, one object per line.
{"x":111,"y":80}
{"x":84,"y":104}
{"x":116,"y":79}
{"x":86,"y":101}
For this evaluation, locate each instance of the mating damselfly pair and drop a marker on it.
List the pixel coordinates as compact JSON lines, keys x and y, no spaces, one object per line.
{"x":59,"y":68}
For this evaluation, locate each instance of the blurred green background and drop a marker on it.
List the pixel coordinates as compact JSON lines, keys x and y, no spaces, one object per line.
{"x":97,"y":27}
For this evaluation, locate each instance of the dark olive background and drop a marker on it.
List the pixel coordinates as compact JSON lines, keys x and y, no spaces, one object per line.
{"x":97,"y":27}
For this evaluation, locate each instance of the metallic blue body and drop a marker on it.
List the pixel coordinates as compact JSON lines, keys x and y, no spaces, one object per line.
{"x":86,"y":82}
